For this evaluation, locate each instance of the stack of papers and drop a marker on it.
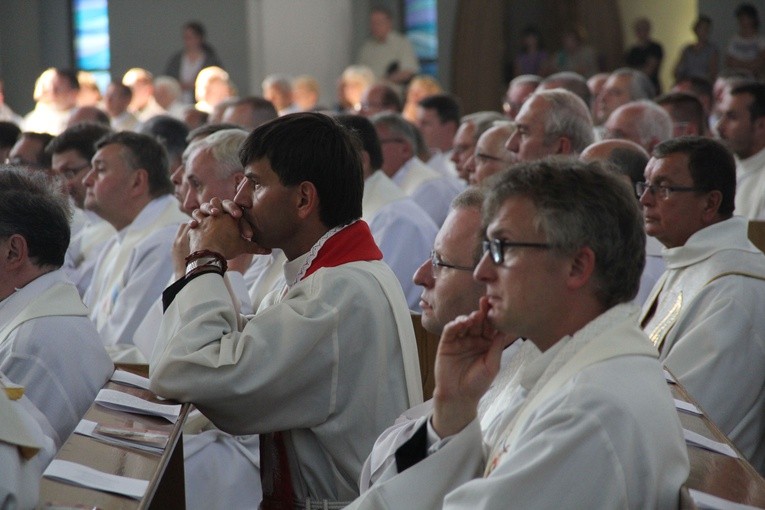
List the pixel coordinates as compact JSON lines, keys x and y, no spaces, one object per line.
{"x":131,"y":379}
{"x":84,"y":476}
{"x":147,"y":440}
{"x":120,"y":401}
{"x":695,"y":439}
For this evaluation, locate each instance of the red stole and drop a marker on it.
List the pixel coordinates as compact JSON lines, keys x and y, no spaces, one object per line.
{"x":353,"y":243}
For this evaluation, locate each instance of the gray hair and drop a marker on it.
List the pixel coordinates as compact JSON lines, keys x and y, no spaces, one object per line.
{"x":526,"y":79}
{"x":580,"y":204}
{"x":471,"y":198}
{"x":397,"y":125}
{"x":482,"y":121}
{"x":568,"y":116}
{"x":278,"y":81}
{"x":224,"y":147}
{"x":653,"y":123}
{"x":640,"y":84}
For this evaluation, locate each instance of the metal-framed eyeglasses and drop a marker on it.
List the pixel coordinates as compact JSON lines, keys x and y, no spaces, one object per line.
{"x":497,"y":248}
{"x":662,"y":191}
{"x":437,"y":263}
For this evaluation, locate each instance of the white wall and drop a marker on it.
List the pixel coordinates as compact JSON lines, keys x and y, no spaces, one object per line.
{"x":299,"y":37}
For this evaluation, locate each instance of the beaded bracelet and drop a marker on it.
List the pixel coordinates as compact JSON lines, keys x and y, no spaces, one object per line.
{"x":206,"y":259}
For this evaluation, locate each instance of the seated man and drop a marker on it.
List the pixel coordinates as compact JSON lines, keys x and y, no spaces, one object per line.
{"x":448,"y":291}
{"x":326,"y":363}
{"x":25,"y":451}
{"x":432,"y":191}
{"x":402,"y":230}
{"x":590,"y":422}
{"x":704,"y":312}
{"x":47,"y":343}
{"x":129,"y":186}
{"x":71,"y":152}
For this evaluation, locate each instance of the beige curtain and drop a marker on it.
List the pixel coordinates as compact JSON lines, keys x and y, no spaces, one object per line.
{"x":478,"y":54}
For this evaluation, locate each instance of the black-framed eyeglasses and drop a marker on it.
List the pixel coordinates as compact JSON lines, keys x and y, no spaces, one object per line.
{"x":662,"y":190}
{"x":498,"y":247}
{"x":437,"y":264}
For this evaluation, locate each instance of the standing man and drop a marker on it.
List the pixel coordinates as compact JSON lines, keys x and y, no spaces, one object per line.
{"x":742,"y":128}
{"x":704,"y":312}
{"x":327,"y":363}
{"x":388,"y":53}
{"x":590,"y":421}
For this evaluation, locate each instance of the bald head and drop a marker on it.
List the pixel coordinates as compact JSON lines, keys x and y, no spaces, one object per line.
{"x":628,"y":158}
{"x":643,"y":122}
{"x":491,"y":156}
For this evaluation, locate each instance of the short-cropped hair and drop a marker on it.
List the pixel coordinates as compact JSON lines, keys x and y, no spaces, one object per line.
{"x":580,"y":204}
{"x":143,"y":151}
{"x":80,"y":138}
{"x":367,"y":134}
{"x":32,"y":205}
{"x":446,"y":106}
{"x":313,"y":147}
{"x":711,"y":164}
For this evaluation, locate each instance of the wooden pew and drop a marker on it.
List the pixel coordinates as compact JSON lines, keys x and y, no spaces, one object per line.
{"x":716,"y":474}
{"x":756,"y":233}
{"x":165,"y":472}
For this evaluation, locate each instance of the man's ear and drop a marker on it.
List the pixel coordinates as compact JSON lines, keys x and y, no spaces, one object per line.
{"x":15,"y":251}
{"x":712,"y":207}
{"x":582,"y":268}
{"x":307,"y":199}
{"x":564,"y":145}
{"x":140,"y":182}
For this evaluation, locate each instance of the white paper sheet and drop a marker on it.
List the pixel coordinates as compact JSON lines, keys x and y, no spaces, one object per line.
{"x":120,"y":401}
{"x":88,"y":428}
{"x":131,"y":379}
{"x":84,"y":476}
{"x":668,"y":377}
{"x":708,"y":444}
{"x":687,"y":407}
{"x":708,"y":502}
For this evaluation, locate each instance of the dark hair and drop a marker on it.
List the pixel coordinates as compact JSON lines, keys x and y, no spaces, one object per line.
{"x":263,"y":110}
{"x":389,"y":100}
{"x":750,"y":11}
{"x":446,"y":106}
{"x":757,"y":91}
{"x":80,"y":137}
{"x":711,"y":165}
{"x":686,"y":107}
{"x":9,"y":133}
{"x":532,"y":30}
{"x":123,"y":89}
{"x":367,"y":134}
{"x":703,"y":18}
{"x":32,"y":206}
{"x":143,"y":151}
{"x":699,"y":85}
{"x":382,"y":9}
{"x":315,"y":148}
{"x":70,"y":76}
{"x":43,"y":158}
{"x":197,"y":28}
{"x":168,"y":131}
{"x":580,"y":204}
{"x":629,"y":162}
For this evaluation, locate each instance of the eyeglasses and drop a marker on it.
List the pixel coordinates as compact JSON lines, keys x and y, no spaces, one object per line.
{"x":661,"y":190}
{"x":437,"y":264}
{"x":498,"y":247}
{"x":71,"y":173}
{"x":483,"y":158}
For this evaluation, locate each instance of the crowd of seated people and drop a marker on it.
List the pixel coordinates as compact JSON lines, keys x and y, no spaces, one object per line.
{"x":264,"y":255}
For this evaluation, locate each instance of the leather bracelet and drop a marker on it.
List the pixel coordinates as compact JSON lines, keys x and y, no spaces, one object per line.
{"x":217,"y":260}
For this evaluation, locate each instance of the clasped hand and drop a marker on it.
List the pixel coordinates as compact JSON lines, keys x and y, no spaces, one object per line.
{"x":219,"y":226}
